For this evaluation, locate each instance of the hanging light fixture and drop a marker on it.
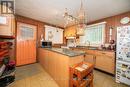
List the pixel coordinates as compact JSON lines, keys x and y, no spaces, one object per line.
{"x":80,"y":21}
{"x":69,"y":18}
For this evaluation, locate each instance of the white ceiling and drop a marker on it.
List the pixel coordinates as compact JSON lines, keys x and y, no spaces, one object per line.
{"x":51,"y":11}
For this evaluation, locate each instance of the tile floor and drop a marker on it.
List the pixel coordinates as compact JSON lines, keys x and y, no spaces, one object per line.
{"x":35,"y":76}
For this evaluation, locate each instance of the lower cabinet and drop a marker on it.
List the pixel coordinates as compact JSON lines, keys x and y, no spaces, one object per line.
{"x":105,"y":63}
{"x":103,"y":60}
{"x":90,"y":59}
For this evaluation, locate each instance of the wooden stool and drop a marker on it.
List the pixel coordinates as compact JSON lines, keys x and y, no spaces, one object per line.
{"x":81,"y":75}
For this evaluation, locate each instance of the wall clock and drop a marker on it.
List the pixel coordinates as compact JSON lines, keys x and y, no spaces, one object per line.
{"x":125,"y":20}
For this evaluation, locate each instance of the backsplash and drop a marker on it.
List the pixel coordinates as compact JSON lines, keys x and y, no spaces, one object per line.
{"x":71,"y":42}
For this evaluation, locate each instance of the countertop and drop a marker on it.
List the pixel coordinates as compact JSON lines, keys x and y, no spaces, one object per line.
{"x":93,"y":48}
{"x":67,"y":52}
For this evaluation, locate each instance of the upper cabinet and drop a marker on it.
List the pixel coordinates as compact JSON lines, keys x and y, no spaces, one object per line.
{"x":70,"y":31}
{"x":7,"y":26}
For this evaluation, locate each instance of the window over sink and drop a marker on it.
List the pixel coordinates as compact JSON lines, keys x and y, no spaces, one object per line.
{"x":94,"y":35}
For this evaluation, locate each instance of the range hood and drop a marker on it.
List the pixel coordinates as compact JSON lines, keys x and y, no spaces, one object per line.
{"x":71,"y":37}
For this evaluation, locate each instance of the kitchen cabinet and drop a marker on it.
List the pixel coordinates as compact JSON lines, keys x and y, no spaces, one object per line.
{"x":8,"y":29}
{"x":103,"y":60}
{"x":90,"y":58}
{"x":69,"y":32}
{"x":90,"y":55}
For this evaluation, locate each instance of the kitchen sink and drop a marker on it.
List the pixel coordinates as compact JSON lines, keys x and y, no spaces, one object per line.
{"x":92,"y":48}
{"x":87,"y":47}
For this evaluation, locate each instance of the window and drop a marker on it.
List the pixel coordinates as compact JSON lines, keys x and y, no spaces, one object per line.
{"x":94,"y":34}
{"x":54,"y":34}
{"x":3,"y":20}
{"x":27,"y":33}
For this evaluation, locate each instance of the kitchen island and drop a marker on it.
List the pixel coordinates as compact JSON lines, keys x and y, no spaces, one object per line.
{"x":56,"y":61}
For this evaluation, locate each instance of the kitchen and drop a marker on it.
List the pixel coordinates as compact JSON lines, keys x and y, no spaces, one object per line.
{"x":46,"y":43}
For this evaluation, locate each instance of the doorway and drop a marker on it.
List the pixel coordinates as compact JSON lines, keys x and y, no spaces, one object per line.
{"x":25,"y":44}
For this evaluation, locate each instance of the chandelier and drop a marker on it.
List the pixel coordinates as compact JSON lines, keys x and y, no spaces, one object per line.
{"x":80,"y":20}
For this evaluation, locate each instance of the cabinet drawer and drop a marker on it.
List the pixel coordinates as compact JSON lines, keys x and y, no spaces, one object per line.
{"x":92,"y":52}
{"x":105,"y":53}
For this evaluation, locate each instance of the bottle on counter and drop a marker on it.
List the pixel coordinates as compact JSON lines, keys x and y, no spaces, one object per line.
{"x":112,"y":45}
{"x":42,"y":39}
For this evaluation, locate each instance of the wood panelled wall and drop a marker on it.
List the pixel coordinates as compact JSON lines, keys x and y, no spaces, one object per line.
{"x":40,"y":26}
{"x":113,"y":22}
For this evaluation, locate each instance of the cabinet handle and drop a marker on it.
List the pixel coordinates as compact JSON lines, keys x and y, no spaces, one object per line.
{"x":94,"y":60}
{"x":103,"y":53}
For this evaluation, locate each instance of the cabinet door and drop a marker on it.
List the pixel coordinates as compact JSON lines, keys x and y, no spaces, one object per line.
{"x":71,"y":31}
{"x":90,"y":58}
{"x":43,"y":58}
{"x":8,"y":28}
{"x":105,"y":63}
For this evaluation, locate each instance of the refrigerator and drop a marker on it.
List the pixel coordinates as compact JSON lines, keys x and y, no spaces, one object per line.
{"x":123,"y":55}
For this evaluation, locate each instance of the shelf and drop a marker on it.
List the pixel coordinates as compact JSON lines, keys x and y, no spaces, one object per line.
{"x":2,"y":52}
{"x":6,"y":37}
{"x":81,"y":75}
{"x":8,"y":73}
{"x":2,"y":43}
{"x":4,"y":82}
{"x":83,"y":82}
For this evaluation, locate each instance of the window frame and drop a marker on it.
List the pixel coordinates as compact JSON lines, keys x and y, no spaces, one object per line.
{"x":103,"y":35}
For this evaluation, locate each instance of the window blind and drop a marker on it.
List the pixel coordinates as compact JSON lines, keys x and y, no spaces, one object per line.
{"x":94,"y":34}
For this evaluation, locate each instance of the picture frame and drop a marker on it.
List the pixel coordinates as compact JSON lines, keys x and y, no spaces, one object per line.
{"x":7,"y":7}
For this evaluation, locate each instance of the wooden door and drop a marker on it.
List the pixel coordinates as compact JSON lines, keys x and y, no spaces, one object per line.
{"x":25,"y":44}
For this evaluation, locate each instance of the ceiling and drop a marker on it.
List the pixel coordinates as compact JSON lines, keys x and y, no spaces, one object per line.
{"x":51,"y":11}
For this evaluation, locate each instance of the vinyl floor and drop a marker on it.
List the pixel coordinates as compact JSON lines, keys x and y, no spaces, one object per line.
{"x":34,"y":75}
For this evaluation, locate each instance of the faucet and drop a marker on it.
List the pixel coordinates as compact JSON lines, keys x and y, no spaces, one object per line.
{"x":88,"y":43}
